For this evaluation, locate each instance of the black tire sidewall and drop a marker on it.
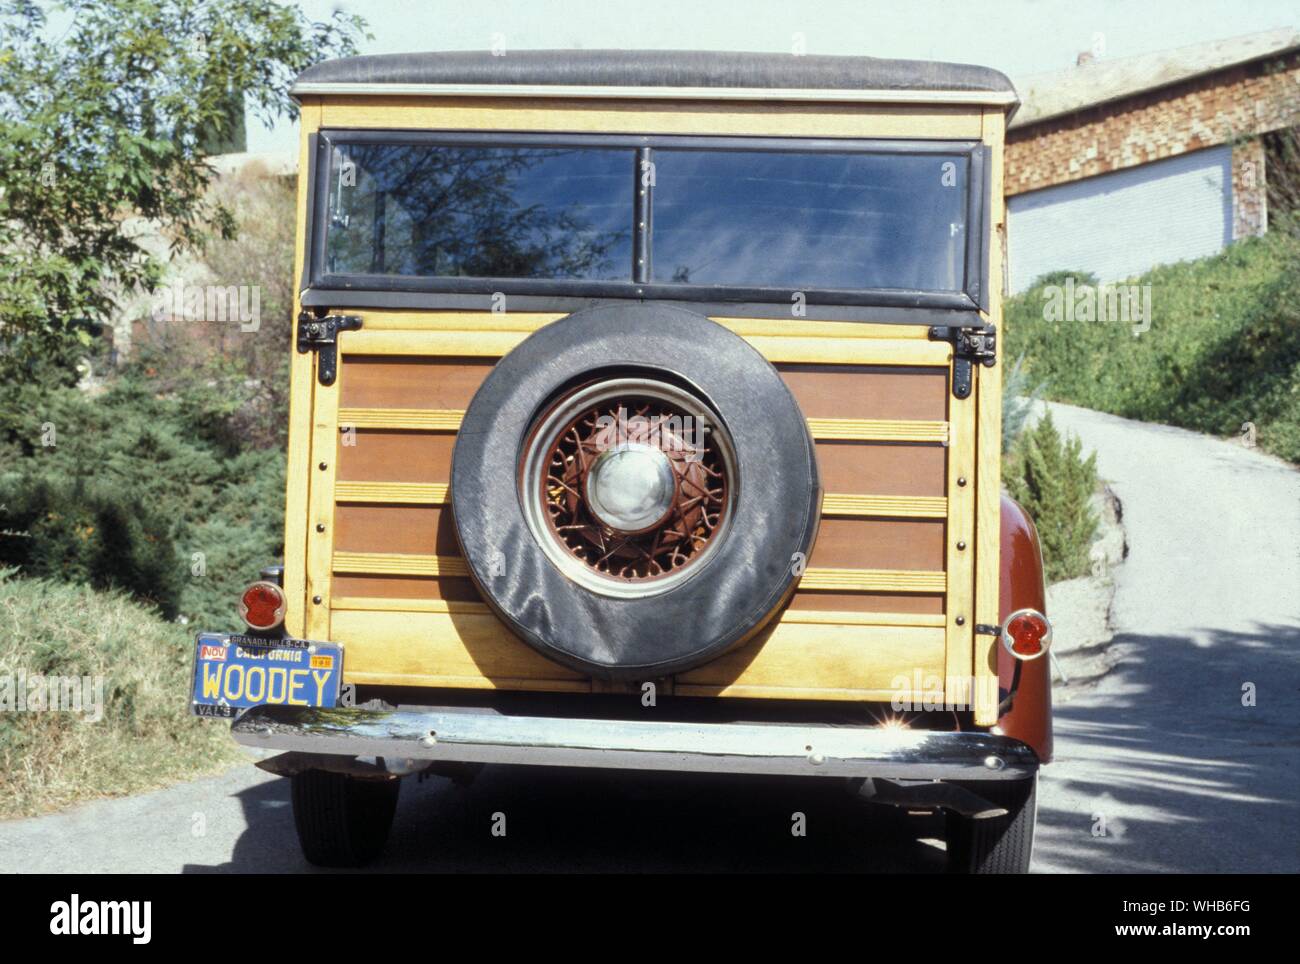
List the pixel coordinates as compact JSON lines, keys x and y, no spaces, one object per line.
{"x":746,"y":577}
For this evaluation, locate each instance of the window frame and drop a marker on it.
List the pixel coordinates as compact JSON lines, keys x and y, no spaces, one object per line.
{"x":321,"y":288}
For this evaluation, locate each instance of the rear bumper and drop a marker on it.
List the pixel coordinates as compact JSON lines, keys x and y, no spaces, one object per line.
{"x":409,"y":734}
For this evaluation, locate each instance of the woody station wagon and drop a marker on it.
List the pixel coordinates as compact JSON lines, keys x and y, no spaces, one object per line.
{"x":646,"y":414}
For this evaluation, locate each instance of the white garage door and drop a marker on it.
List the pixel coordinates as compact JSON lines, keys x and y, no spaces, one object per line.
{"x":1119,"y":225}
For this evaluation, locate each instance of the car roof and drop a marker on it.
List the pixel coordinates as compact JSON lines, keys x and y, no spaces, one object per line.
{"x":659,"y":73}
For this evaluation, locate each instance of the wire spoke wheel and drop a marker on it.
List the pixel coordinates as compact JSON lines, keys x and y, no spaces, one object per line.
{"x":627,"y":483}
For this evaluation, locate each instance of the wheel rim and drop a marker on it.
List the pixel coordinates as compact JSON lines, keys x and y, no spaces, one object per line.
{"x":628,"y":485}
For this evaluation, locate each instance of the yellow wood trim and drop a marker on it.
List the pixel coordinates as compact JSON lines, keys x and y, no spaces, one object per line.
{"x":498,"y":338}
{"x":824,"y":350}
{"x":833,"y":504}
{"x":877,"y":430}
{"x":394,"y":493}
{"x":429,"y":420}
{"x":839,"y":580}
{"x":320,"y":515}
{"x":376,"y":319}
{"x":960,"y":563}
{"x":301,"y":382}
{"x":853,"y":429}
{"x":873,"y":580}
{"x":837,"y":618}
{"x":391,"y":605}
{"x":474,"y":648}
{"x":400,"y":564}
{"x":794,"y":660}
{"x":988,"y":394}
{"x":813,"y":119}
{"x":885,"y":506}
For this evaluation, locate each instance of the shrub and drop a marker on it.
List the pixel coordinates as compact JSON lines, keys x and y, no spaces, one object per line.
{"x":185,"y":517}
{"x":86,"y":533}
{"x":146,"y":736}
{"x":1051,"y":479}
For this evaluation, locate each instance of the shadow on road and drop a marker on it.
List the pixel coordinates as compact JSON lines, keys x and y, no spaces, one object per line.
{"x":1180,"y":775}
{"x":611,"y":821}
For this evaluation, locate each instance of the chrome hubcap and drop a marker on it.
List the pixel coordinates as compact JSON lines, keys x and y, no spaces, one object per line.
{"x":630,"y":488}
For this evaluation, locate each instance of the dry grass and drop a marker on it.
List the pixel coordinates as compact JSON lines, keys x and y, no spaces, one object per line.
{"x":145,"y":738}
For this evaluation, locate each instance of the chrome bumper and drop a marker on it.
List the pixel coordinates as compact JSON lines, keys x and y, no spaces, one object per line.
{"x":404,"y":736}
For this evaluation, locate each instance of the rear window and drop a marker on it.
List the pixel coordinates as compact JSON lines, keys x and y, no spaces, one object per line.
{"x":480,"y":212}
{"x":692,"y":218}
{"x":809,"y":221}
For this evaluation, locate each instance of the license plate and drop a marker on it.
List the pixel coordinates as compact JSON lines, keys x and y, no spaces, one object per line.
{"x":233,"y":672}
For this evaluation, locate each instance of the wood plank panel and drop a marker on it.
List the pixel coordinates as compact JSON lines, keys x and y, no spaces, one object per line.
{"x":404,"y":589}
{"x":879,"y":544}
{"x":883,"y":469}
{"x":396,"y":457}
{"x":820,"y":661}
{"x":405,"y":529}
{"x":395,"y":381}
{"x":464,"y":649}
{"x":868,"y":391}
{"x":926,"y":604}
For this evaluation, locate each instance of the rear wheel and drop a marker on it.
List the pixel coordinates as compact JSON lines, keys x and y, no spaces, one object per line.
{"x":996,"y":845}
{"x":342,"y":821}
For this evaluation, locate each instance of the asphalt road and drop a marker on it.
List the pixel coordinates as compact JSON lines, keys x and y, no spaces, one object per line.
{"x":1160,"y":767}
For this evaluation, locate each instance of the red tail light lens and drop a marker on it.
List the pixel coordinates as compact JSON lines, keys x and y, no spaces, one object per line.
{"x":1026,"y":634}
{"x":262,"y":606}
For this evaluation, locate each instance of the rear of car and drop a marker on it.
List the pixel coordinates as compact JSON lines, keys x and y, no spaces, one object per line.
{"x":646,"y":414}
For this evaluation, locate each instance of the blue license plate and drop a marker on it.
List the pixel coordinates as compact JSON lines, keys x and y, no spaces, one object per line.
{"x":233,"y":672}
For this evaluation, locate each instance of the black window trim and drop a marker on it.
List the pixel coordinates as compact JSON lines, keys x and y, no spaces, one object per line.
{"x":432,"y":293}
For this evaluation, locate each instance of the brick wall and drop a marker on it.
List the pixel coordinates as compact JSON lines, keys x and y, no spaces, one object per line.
{"x":1215,"y":109}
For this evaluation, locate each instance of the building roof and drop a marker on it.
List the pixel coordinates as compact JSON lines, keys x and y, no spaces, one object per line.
{"x":658,"y":73}
{"x":1099,"y":82}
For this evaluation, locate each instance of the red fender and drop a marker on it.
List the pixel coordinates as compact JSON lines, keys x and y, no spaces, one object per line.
{"x":1022,"y":587}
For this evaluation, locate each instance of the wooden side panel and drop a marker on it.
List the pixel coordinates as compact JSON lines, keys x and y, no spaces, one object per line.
{"x":301,"y":382}
{"x":989,"y":491}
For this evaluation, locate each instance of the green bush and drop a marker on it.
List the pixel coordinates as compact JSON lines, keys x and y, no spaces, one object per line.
{"x":183,"y":515}
{"x":1051,"y":479}
{"x":1223,"y":348}
{"x":84,"y":533}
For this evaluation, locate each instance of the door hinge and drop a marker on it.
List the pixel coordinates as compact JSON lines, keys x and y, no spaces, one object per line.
{"x":970,"y":344}
{"x":321,"y":336}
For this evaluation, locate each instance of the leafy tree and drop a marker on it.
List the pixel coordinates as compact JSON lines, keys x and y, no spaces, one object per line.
{"x":103,"y":123}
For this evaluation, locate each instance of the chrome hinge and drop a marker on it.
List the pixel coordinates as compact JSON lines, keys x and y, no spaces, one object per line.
{"x":970,"y":344}
{"x":321,"y":336}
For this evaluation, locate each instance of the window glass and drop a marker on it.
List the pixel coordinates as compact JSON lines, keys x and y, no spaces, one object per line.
{"x":480,"y":212}
{"x":810,"y":220}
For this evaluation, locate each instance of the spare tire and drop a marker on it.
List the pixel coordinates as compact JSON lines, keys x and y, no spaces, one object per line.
{"x":635,"y":490}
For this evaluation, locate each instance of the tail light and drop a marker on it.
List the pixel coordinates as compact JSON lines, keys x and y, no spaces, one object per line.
{"x":262,"y":606}
{"x":1027,"y":634}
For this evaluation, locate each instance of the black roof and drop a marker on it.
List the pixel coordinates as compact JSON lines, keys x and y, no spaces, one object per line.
{"x":658,"y":68}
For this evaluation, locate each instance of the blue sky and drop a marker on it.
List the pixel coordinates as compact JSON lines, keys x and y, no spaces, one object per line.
{"x":1019,"y":37}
